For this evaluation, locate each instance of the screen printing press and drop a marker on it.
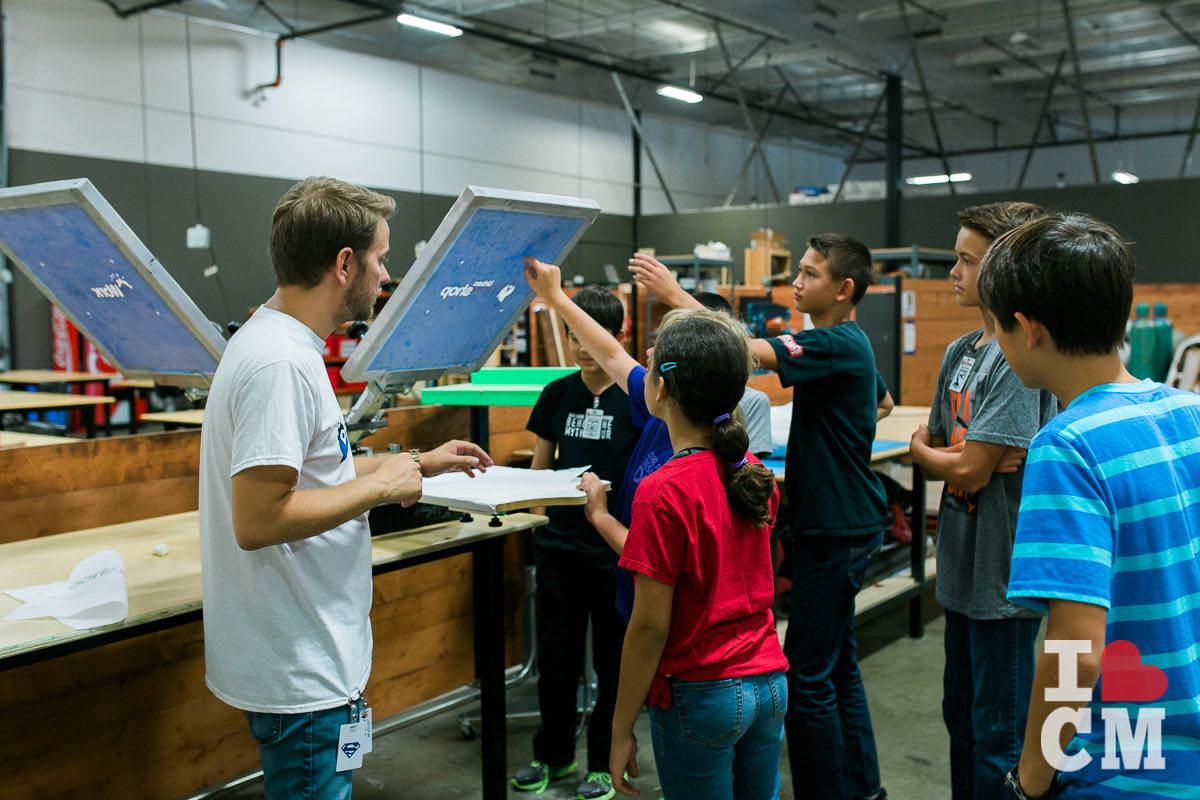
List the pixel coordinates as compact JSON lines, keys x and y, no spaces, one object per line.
{"x":449,"y":313}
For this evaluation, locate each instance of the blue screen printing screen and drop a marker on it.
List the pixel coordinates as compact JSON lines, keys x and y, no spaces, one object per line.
{"x":475,"y":291}
{"x":93,"y":281}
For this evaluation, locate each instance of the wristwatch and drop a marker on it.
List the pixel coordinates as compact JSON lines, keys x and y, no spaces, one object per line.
{"x":1013,"y":784}
{"x":416,"y":455}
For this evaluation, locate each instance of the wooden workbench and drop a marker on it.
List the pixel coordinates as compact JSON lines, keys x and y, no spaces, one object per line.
{"x":137,"y":718}
{"x":19,"y":439}
{"x":161,"y":587}
{"x":193,"y":418}
{"x":25,"y":402}
{"x":43,"y":377}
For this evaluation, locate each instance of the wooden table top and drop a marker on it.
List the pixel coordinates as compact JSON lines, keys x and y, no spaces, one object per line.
{"x":17,"y":439}
{"x":902,"y":423}
{"x":897,"y":427}
{"x":32,"y":401}
{"x":193,"y":416}
{"x":39,"y":376}
{"x":132,"y":383}
{"x":169,"y":585}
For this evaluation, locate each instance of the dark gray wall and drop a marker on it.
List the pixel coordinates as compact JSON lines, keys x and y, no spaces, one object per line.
{"x":1158,"y":216}
{"x":159,"y":203}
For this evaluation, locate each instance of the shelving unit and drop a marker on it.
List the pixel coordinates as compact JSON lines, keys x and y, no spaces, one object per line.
{"x":916,"y":261}
{"x":766,"y":257}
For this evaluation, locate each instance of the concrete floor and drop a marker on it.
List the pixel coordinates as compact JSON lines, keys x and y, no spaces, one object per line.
{"x":903,"y":677}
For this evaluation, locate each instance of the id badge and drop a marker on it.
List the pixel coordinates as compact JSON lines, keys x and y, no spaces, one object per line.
{"x":367,"y":720}
{"x":593,"y":423}
{"x":352,"y":738}
{"x":964,"y":371}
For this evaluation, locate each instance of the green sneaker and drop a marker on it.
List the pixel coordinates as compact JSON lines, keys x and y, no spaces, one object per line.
{"x":596,"y":786}
{"x":536,"y":776}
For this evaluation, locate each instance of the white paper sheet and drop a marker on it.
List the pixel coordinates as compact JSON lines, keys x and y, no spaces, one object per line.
{"x":503,"y":486}
{"x":95,"y":594}
{"x":781,"y":424}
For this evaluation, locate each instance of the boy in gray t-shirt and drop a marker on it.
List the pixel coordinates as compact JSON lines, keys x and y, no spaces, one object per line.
{"x":981,"y":422}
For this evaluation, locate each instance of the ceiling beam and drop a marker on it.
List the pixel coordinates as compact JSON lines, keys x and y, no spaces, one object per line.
{"x":1037,"y":126}
{"x":1083,"y":106}
{"x":933,"y":124}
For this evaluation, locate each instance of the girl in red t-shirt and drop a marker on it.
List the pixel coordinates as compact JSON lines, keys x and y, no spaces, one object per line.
{"x":701,"y":648}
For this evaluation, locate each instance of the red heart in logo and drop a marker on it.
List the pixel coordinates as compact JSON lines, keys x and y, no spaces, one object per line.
{"x":1125,"y":679}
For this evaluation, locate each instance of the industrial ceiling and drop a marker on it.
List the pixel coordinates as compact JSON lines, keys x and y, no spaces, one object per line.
{"x":978,"y":75}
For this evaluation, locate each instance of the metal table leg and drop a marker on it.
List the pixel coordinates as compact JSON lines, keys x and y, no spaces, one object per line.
{"x":488,"y":569}
{"x":479,"y":426}
{"x":916,"y":622}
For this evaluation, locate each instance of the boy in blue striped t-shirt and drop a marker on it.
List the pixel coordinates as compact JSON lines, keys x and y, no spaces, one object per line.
{"x":1108,"y":530}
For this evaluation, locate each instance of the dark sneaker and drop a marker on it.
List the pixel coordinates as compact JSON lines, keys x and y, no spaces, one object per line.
{"x":536,"y":776}
{"x":596,"y":786}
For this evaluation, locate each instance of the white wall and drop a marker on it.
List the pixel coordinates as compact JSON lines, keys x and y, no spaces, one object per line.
{"x":75,"y":85}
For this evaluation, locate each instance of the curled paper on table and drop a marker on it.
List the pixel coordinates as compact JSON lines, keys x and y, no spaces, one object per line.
{"x":504,"y":489}
{"x":95,"y":594}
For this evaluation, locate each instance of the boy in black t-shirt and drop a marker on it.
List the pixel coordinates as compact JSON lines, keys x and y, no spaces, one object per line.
{"x":585,"y":418}
{"x":836,"y":512}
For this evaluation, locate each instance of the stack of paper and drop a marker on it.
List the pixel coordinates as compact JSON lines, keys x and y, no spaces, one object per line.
{"x":504,"y":489}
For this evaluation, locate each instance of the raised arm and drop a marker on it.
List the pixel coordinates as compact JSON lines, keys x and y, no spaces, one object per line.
{"x":546,"y":280}
{"x":652,"y":275}
{"x":764,"y":354}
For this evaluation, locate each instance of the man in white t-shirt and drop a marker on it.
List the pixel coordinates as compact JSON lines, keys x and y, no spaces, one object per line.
{"x":285,"y":549}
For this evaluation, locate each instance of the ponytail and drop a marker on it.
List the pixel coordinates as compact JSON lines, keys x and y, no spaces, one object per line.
{"x":748,"y":487}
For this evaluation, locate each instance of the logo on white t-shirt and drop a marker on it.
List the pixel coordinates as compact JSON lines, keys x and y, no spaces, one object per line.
{"x":343,"y":440}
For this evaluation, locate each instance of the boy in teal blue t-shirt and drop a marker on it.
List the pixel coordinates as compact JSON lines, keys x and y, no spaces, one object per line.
{"x":1108,"y":529}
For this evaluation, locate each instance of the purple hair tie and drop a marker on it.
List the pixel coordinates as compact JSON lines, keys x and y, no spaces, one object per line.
{"x":741,"y":463}
{"x":720,"y":419}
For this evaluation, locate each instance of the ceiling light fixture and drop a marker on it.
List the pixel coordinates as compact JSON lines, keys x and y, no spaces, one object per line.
{"x":675,"y":93}
{"x":429,"y":25}
{"x":1121,"y":176}
{"x":929,"y":180}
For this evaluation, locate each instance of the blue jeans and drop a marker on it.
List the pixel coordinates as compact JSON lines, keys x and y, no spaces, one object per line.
{"x":299,"y":752}
{"x":831,"y":744}
{"x":721,"y":739}
{"x":987,"y":684}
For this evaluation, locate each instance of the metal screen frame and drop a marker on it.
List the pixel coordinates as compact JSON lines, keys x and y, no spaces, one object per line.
{"x":82,"y":193}
{"x":423,"y":271}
